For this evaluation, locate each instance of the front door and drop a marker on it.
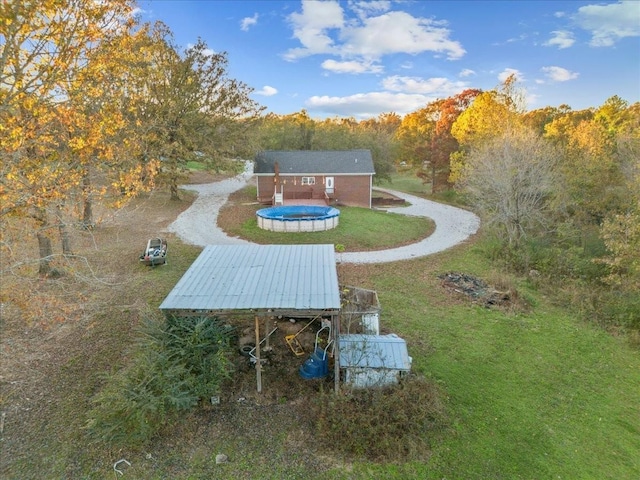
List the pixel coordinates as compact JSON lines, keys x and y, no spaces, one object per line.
{"x":328,"y":185}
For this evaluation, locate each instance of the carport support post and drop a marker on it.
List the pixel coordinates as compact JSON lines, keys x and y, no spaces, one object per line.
{"x":335,"y":331}
{"x":258,"y":363}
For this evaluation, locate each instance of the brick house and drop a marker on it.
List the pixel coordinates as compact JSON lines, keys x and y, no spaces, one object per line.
{"x":330,"y":177}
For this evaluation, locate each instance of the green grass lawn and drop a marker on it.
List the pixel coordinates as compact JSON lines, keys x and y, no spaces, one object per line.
{"x":532,"y":394}
{"x":358,"y":229}
{"x":194,"y":165}
{"x":409,"y":183}
{"x":406,"y":182}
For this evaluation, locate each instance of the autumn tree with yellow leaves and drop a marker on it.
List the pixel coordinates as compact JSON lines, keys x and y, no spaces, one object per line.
{"x":105,"y":139}
{"x":94,"y":106}
{"x":493,"y":113}
{"x":53,"y":125}
{"x":620,"y":229}
{"x":598,"y":155}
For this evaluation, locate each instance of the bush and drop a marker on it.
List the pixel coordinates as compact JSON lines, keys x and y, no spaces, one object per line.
{"x":543,"y":254}
{"x":615,"y":309}
{"x":202,"y":345}
{"x":174,"y":364}
{"x":380,"y":424}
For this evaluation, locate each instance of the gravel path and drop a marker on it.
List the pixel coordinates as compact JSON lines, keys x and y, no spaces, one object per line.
{"x":453,"y":226}
{"x":198,"y":224}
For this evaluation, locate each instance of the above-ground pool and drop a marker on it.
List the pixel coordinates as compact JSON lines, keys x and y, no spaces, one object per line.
{"x":298,"y":218}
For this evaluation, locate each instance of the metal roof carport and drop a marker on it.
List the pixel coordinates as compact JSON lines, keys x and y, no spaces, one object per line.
{"x":261,"y":280}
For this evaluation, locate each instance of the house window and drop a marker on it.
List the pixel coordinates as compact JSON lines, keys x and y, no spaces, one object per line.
{"x":308,"y":180}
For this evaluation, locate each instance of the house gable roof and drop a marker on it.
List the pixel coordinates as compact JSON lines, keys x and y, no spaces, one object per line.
{"x":315,"y":162}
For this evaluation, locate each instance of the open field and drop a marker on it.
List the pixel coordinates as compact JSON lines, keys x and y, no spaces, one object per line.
{"x":530,"y":391}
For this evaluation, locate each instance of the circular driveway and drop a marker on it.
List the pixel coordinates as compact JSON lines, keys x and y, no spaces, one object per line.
{"x":198,"y":225}
{"x":453,"y":226}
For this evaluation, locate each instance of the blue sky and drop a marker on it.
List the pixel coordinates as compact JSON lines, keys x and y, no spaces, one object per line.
{"x":363,"y":58}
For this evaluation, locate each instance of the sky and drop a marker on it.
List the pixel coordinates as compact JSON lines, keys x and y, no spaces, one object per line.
{"x":360,"y":59}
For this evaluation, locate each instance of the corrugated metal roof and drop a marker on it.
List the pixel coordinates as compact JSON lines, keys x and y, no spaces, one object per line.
{"x":315,"y":162}
{"x":254,"y":277}
{"x":374,"y":351}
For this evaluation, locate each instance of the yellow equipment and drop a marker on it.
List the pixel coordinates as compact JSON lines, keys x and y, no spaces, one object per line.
{"x":294,"y":343}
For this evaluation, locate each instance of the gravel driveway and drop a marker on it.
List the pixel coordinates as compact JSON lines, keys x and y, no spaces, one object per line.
{"x":198,"y":224}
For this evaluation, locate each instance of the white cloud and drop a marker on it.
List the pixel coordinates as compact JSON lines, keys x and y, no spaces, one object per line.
{"x":402,"y":95}
{"x":353,"y":66}
{"x":266,"y":91}
{"x":519,"y":38}
{"x":367,"y":105}
{"x":321,"y":28}
{"x":531,"y":99}
{"x":559,"y":74}
{"x":438,"y":86}
{"x":310,"y":28}
{"x":466,"y":72}
{"x":561,"y":39}
{"x":399,"y":32}
{"x":609,"y":23}
{"x":248,"y":22}
{"x":507,"y":72}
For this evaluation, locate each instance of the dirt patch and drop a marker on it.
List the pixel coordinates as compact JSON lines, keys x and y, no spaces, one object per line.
{"x":58,"y":336}
{"x":198,"y":177}
{"x":240,"y":207}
